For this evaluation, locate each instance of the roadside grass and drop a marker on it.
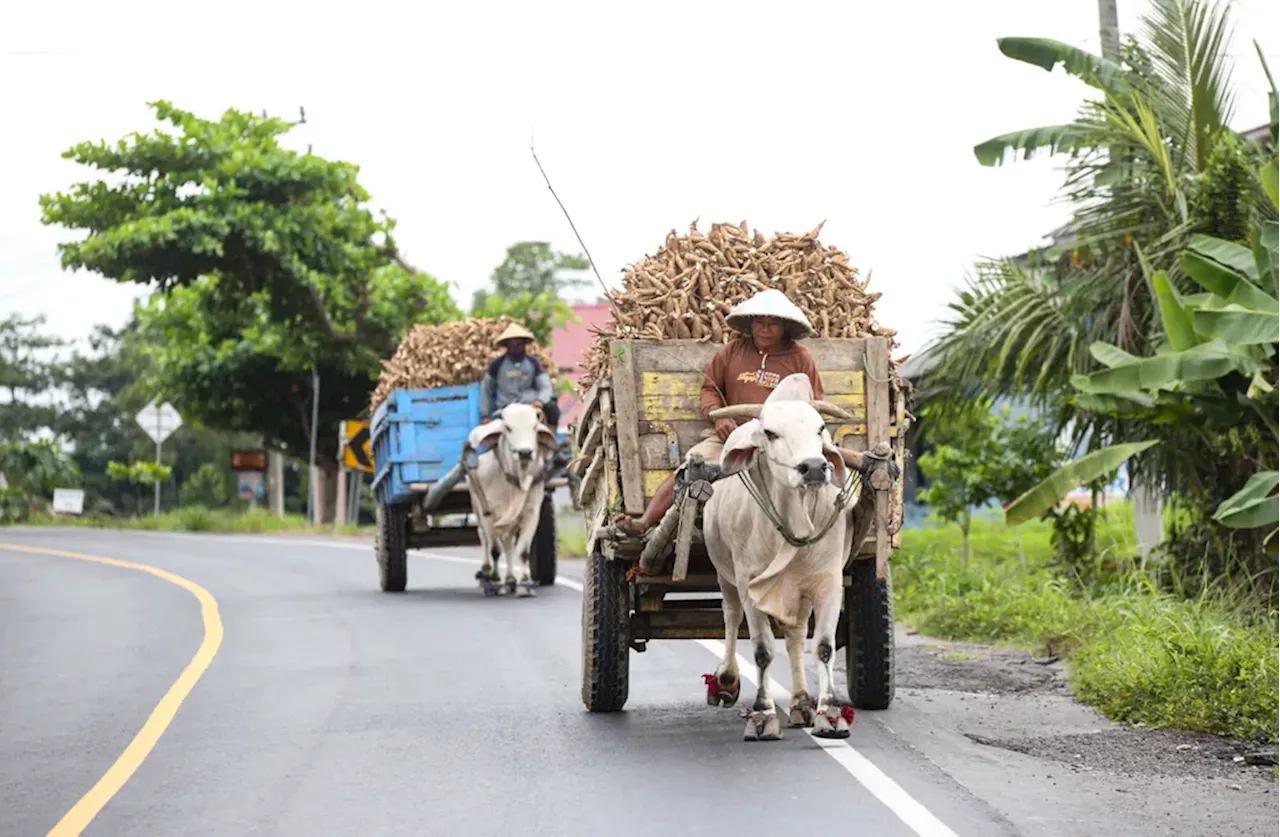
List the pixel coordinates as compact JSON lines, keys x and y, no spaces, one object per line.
{"x":201,"y":519}
{"x":571,"y":533}
{"x":571,"y":536}
{"x":1134,"y":652}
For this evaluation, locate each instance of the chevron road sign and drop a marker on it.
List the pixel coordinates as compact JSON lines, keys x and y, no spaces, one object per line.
{"x":357,"y":449}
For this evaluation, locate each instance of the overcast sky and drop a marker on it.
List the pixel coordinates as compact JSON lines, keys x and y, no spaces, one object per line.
{"x":646,"y":115}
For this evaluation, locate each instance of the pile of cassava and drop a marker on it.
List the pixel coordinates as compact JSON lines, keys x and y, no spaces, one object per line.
{"x":452,"y":354}
{"x":685,"y":289}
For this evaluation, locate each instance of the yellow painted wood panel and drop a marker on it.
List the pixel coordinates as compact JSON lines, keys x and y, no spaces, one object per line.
{"x":666,"y":396}
{"x":669,"y":408}
{"x":653,"y":479}
{"x":689,"y":384}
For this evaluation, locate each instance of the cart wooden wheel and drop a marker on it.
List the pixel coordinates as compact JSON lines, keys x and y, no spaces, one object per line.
{"x":868,"y":642}
{"x":393,"y":570}
{"x":606,"y":641}
{"x":544,"y":544}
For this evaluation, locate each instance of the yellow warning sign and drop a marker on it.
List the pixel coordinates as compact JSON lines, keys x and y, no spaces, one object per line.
{"x":357,"y":447}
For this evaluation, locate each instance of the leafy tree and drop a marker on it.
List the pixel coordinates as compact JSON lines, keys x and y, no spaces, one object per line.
{"x":28,"y":370}
{"x":269,"y":263}
{"x":101,"y":398}
{"x":1214,"y":375}
{"x":541,"y":314}
{"x":531,"y":268}
{"x":139,"y":473}
{"x":1150,"y":161}
{"x":980,"y":456}
{"x":209,"y":486}
{"x":32,"y":470}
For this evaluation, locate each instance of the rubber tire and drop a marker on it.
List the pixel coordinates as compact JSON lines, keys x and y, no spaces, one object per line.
{"x":393,"y":569}
{"x":606,"y":641}
{"x":868,"y":650}
{"x":544,"y":544}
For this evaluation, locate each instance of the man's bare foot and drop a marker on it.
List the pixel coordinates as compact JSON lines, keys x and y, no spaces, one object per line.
{"x":630,"y":525}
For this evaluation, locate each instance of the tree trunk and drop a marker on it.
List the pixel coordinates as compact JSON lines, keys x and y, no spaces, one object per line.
{"x":325,"y":497}
{"x":275,"y":482}
{"x":964,"y":539}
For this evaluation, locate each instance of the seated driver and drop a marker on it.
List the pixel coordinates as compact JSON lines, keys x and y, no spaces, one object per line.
{"x":745,"y":371}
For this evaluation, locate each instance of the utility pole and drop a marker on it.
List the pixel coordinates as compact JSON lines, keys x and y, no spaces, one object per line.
{"x":1148,"y":512}
{"x":1109,"y":29}
{"x":313,"y":484}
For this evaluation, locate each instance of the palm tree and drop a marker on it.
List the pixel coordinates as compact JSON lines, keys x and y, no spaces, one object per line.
{"x":1150,"y":162}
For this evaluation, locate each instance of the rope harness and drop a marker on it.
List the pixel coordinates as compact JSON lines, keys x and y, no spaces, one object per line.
{"x":755,"y":487}
{"x":470,"y":461}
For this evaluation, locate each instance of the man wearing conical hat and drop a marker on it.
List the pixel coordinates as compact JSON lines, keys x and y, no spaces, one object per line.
{"x":517,"y":377}
{"x":745,"y":371}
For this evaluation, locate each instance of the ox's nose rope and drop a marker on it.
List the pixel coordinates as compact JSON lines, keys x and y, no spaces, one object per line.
{"x":761,"y":496}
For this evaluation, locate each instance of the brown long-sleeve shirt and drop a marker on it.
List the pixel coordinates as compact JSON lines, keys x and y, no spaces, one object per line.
{"x":740,"y":374}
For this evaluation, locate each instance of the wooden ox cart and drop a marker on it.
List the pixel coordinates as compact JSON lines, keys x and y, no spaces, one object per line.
{"x":636,"y":427}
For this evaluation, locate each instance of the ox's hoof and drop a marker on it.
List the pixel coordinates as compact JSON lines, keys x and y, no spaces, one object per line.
{"x":524,"y":590}
{"x":510,"y":586}
{"x":802,"y":710}
{"x":833,"y":722}
{"x":719,"y":694}
{"x":763,"y":726}
{"x":490,"y":589}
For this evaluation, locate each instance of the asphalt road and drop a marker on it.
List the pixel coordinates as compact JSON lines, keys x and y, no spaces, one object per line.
{"x":332,"y":708}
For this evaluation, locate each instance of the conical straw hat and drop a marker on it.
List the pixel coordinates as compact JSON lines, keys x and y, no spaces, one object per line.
{"x":770,"y":303}
{"x":515,"y":331}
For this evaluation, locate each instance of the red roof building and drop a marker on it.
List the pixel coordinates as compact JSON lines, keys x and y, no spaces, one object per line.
{"x":568,"y":347}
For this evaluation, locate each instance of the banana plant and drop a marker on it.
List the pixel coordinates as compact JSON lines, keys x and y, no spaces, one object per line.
{"x":1213,"y":340}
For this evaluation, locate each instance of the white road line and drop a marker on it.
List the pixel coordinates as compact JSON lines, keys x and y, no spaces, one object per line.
{"x":904,"y":806}
{"x":917,"y":817}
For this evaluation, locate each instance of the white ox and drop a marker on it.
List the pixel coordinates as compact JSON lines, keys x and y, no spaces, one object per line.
{"x":506,"y":489}
{"x":781,"y":469}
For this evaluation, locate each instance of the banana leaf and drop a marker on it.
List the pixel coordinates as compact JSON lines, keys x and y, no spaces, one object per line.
{"x":1264,"y":243}
{"x":1127,"y":404}
{"x":1110,"y":356}
{"x":1228,"y":253}
{"x":1206,"y":362}
{"x":1227,"y":283}
{"x":1046,"y":53}
{"x":1055,"y":138}
{"x":1252,"y":506}
{"x":1237,"y":325}
{"x":1061,"y":482}
{"x":1259,"y":386}
{"x":1269,"y":181}
{"x":1176,"y":318}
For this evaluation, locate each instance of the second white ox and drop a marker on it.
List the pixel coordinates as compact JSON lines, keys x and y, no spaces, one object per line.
{"x":506,"y":486}
{"x":777,"y":530}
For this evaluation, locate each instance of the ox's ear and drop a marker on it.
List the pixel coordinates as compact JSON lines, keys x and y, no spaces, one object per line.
{"x":794,"y":387}
{"x":487,"y":434}
{"x":839,"y":470}
{"x":547,"y":437}
{"x":741,"y":447}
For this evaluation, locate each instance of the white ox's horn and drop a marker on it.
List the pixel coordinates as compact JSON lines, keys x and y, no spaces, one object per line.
{"x":750,"y":411}
{"x":826,"y":408}
{"x":737,"y":411}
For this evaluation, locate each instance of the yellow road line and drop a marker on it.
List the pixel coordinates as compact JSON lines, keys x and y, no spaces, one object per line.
{"x":83,"y":812}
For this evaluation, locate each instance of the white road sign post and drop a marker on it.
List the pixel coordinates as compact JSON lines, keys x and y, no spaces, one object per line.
{"x":159,"y":421}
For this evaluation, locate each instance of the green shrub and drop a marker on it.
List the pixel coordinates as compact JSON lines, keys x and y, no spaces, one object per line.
{"x":196,"y":519}
{"x":1134,"y":652}
{"x":207,"y":486}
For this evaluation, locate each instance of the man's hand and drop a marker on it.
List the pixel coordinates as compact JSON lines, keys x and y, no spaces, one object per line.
{"x":724,"y":427}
